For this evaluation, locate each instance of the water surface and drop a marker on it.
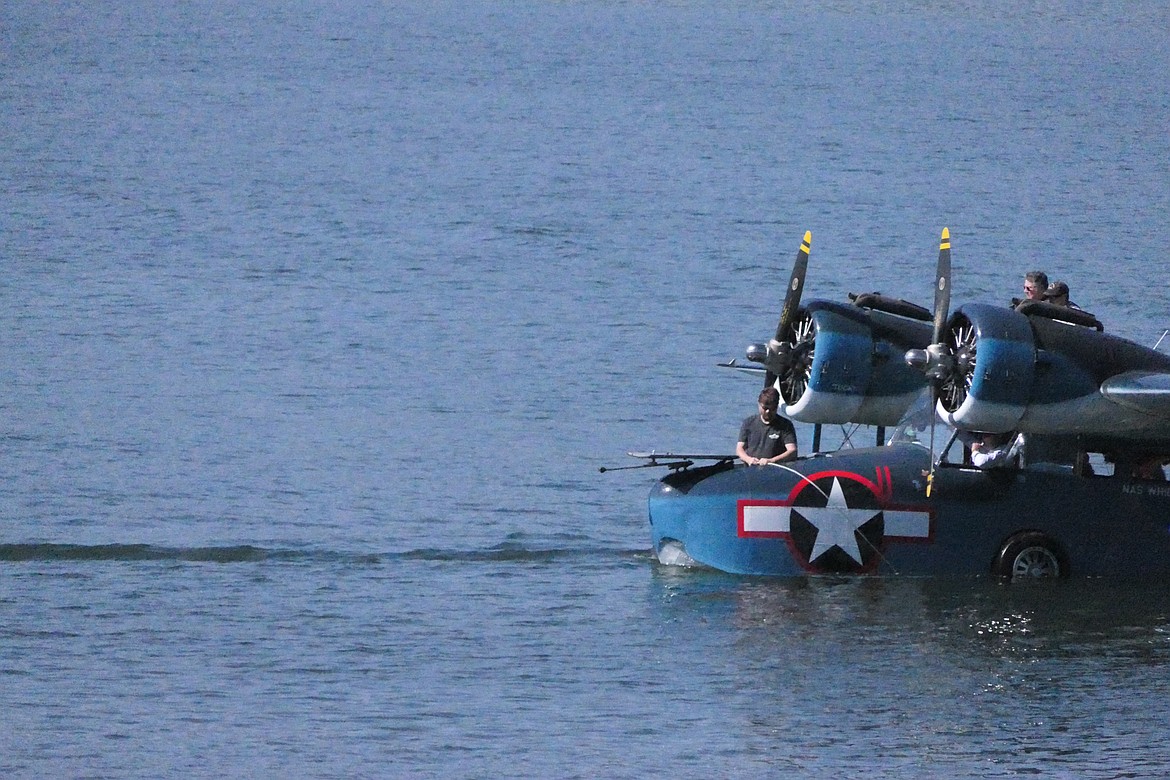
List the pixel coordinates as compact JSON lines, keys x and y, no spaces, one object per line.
{"x":318,"y":321}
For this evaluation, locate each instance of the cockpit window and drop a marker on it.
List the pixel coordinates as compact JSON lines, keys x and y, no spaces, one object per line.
{"x":915,"y":426}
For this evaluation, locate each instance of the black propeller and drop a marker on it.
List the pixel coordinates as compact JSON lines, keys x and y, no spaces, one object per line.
{"x":777,"y":359}
{"x":937,"y":360}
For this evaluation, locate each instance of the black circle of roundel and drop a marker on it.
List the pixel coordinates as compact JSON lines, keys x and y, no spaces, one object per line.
{"x":836,"y":524}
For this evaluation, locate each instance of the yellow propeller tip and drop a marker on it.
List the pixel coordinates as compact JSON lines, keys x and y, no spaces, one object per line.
{"x":808,"y":236}
{"x":946,"y":234}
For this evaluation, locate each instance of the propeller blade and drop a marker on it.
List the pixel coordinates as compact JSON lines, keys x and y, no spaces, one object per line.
{"x":795,"y":288}
{"x":942,"y":286}
{"x":936,"y":361}
{"x":942,"y":302}
{"x":791,"y":300}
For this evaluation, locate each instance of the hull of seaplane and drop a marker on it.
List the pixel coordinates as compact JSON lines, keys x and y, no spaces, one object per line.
{"x":866,"y":512}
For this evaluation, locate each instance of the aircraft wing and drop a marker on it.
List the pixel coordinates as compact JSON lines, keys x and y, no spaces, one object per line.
{"x":1031,"y":370}
{"x":1037,"y":368}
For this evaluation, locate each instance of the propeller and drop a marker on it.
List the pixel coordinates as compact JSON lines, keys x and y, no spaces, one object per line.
{"x":937,"y":360}
{"x":777,"y":355}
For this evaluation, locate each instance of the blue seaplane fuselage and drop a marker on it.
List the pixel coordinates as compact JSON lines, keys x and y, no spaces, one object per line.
{"x":1057,"y":511}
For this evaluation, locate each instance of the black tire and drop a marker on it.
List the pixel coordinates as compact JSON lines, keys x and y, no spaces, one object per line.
{"x":1031,"y":555}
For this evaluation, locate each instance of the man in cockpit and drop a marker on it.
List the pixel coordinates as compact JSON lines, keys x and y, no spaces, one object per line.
{"x":1035,"y":285}
{"x":766,"y":437}
{"x":994,"y":450}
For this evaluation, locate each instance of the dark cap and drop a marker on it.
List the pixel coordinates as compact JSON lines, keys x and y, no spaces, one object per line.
{"x":1056,"y":290}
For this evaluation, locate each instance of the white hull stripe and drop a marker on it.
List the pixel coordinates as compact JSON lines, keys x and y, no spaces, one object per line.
{"x":774,"y":519}
{"x":765,"y":519}
{"x":907,"y":524}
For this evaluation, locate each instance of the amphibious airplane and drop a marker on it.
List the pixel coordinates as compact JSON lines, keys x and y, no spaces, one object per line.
{"x":1092,"y":408}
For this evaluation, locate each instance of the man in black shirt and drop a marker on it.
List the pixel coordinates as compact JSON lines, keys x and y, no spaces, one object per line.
{"x":766,"y":437}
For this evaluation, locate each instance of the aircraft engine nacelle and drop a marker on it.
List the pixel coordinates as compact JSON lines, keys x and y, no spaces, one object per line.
{"x":848,"y":366}
{"x":995,"y":364}
{"x":1035,"y":372}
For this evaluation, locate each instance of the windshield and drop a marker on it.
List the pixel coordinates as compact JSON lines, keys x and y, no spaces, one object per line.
{"x":914,"y":427}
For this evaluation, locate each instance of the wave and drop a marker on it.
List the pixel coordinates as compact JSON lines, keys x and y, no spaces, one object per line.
{"x":136,"y":552}
{"x":501,"y":553}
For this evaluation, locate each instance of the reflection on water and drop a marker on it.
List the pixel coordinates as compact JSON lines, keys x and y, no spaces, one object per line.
{"x":985,"y":616}
{"x":935,"y":675}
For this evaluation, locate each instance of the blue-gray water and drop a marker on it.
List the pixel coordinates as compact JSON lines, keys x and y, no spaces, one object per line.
{"x":318,"y":319}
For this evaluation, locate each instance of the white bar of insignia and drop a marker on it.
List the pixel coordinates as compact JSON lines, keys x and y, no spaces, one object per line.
{"x":900,"y":522}
{"x":765,"y":519}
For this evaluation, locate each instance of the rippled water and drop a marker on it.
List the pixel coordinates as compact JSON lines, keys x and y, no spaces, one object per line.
{"x":317,"y":323}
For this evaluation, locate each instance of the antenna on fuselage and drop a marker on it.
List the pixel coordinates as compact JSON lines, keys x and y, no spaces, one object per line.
{"x":1161,"y":337}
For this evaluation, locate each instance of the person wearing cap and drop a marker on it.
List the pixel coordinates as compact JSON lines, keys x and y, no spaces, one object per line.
{"x":1057,"y":293}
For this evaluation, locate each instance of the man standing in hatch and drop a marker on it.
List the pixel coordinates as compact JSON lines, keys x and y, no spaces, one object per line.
{"x":766,"y":437}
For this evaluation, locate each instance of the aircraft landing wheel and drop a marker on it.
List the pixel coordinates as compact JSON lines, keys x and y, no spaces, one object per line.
{"x":1031,"y":556}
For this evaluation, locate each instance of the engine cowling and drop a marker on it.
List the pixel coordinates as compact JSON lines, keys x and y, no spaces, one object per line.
{"x":995,"y":357}
{"x":1037,"y":374}
{"x":848,"y":367}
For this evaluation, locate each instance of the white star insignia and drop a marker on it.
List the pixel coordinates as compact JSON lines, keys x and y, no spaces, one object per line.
{"x":836,"y":523}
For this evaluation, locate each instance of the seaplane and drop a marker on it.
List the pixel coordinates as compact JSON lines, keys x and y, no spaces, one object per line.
{"x":1083,"y":493}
